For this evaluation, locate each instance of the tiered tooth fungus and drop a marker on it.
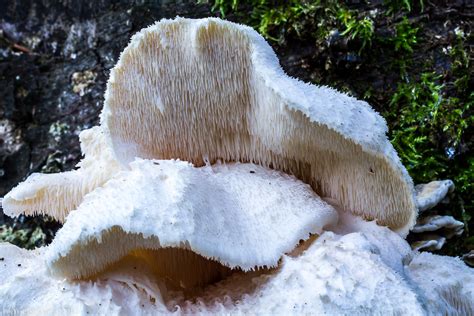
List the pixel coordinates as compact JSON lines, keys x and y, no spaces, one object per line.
{"x":200,"y":90}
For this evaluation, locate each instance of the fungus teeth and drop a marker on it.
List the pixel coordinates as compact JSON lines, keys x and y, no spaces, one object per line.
{"x":187,"y":89}
{"x":58,"y":193}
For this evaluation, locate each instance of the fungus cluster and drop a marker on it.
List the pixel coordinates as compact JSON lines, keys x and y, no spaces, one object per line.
{"x":431,"y":231}
{"x":216,"y":183}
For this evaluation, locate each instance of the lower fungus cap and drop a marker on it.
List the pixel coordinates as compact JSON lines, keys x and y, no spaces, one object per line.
{"x":241,"y":215}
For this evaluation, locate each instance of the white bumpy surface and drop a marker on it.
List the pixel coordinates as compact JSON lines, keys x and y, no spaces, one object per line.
{"x":370,"y":271}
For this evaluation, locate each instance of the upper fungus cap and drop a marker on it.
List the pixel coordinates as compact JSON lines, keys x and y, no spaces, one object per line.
{"x":206,"y":89}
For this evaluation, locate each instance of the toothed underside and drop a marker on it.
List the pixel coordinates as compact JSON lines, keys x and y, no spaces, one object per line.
{"x":192,"y":89}
{"x":179,"y":269}
{"x":58,"y":193}
{"x":242,"y":215}
{"x":53,"y":194}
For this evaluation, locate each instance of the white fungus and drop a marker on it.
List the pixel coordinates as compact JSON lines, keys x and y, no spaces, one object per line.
{"x":216,"y":184}
{"x":439,"y":222}
{"x":187,"y":89}
{"x":241,"y":215}
{"x":371,"y":271}
{"x":430,"y":194}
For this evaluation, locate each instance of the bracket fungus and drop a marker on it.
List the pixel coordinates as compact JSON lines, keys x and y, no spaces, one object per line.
{"x":431,"y":230}
{"x":208,"y":90}
{"x":217,"y":184}
{"x":430,"y":194}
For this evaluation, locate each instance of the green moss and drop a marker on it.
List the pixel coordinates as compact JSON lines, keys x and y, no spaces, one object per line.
{"x":54,"y":163}
{"x":29,"y":232}
{"x":427,"y":128}
{"x":413,"y":113}
{"x":394,"y":6}
{"x":278,"y":20}
{"x":361,"y":29}
{"x":405,"y":37}
{"x":28,"y":238}
{"x":431,"y":122}
{"x":400,"y":46}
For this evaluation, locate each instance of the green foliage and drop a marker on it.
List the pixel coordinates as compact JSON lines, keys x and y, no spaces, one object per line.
{"x":405,"y":36}
{"x":465,"y":174}
{"x":288,"y":18}
{"x":460,"y":61}
{"x":362,"y":29}
{"x":403,"y":5}
{"x":223,"y":6}
{"x":430,"y":125}
{"x":431,"y":120}
{"x":414,"y":115}
{"x":29,"y":232}
{"x":277,"y":20}
{"x":401,"y":45}
{"x":427,"y":129}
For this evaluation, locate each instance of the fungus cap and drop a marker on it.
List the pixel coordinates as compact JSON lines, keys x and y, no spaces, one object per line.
{"x":208,"y":89}
{"x":56,"y":194}
{"x":430,"y":194}
{"x":239,"y":215}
